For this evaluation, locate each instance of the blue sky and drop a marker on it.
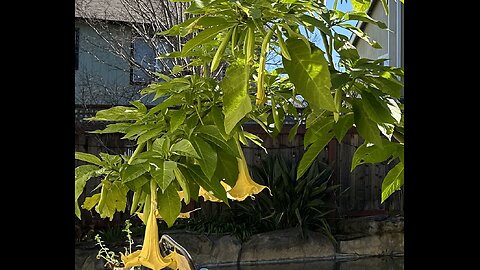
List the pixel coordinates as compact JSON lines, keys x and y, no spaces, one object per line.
{"x":342,"y":6}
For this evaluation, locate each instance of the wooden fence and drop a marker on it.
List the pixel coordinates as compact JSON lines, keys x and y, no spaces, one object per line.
{"x":360,"y":191}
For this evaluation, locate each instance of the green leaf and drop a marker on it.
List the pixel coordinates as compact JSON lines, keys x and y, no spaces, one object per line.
{"x":386,"y":83}
{"x":140,"y":106}
{"x":152,"y":133}
{"x":393,"y":181}
{"x":236,"y":101}
{"x":177,"y":117}
{"x":311,"y":154}
{"x":117,"y":113}
{"x":361,"y":5}
{"x":376,"y":108}
{"x":133,"y":171}
{"x":89,"y":158}
{"x":345,"y":122}
{"x":82,"y":174}
{"x":276,"y":115}
{"x":90,"y":202}
{"x":208,"y":156}
{"x":370,"y":153}
{"x":322,"y":128}
{"x":209,"y":185}
{"x":227,"y":168}
{"x":320,"y":24}
{"x":218,"y":120}
{"x":366,"y":127}
{"x":293,"y":132}
{"x":113,"y":128}
{"x":163,"y":174}
{"x":176,"y":69}
{"x":310,"y":75}
{"x":395,"y":111}
{"x":169,"y":204}
{"x":385,"y":5}
{"x":182,"y":181}
{"x":364,"y":17}
{"x":115,"y":199}
{"x":203,"y":37}
{"x":212,"y":134}
{"x":184,"y":148}
{"x":344,"y":48}
{"x":170,"y":101}
{"x":357,"y":31}
{"x":137,"y":183}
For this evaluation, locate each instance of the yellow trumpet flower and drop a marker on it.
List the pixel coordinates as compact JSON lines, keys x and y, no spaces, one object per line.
{"x":207,"y":196}
{"x":245,"y":186}
{"x":150,"y":256}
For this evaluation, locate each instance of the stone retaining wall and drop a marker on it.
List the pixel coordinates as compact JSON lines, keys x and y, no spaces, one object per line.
{"x":277,"y":246}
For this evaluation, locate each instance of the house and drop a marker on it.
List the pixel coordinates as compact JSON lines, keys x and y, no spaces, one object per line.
{"x":115,"y":51}
{"x":116,"y":46}
{"x":391,"y":41}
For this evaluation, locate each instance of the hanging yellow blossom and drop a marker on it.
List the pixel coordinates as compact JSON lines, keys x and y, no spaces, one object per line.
{"x":245,"y":186}
{"x":150,"y":256}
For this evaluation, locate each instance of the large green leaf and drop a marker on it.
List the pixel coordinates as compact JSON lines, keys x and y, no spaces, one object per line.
{"x":322,"y":128}
{"x":170,"y":101}
{"x":366,"y":127}
{"x":177,"y":117}
{"x":90,"y":202}
{"x":117,"y":113}
{"x":164,"y":174}
{"x":310,"y":75}
{"x":395,"y":111}
{"x":345,"y":122}
{"x":393,"y":181}
{"x":236,"y":101}
{"x":320,"y":24}
{"x":136,"y":129}
{"x":113,"y":199}
{"x":82,"y":174}
{"x":137,"y":183}
{"x":210,"y":185}
{"x":113,"y":128}
{"x":344,"y":48}
{"x":208,"y":156}
{"x":184,"y":148}
{"x":202,"y":37}
{"x":370,"y":153}
{"x":152,"y":133}
{"x":133,"y":171}
{"x":218,"y":120}
{"x":227,"y":168}
{"x":311,"y":154}
{"x":212,"y":133}
{"x":376,"y":108}
{"x":169,"y":204}
{"x":89,"y":158}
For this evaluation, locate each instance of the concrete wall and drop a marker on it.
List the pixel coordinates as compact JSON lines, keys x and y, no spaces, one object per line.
{"x":103,"y":77}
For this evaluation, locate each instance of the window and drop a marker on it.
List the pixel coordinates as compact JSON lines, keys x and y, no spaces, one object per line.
{"x":77,"y":43}
{"x":145,"y":57}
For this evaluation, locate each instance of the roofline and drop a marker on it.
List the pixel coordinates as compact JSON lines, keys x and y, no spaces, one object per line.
{"x":361,"y":24}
